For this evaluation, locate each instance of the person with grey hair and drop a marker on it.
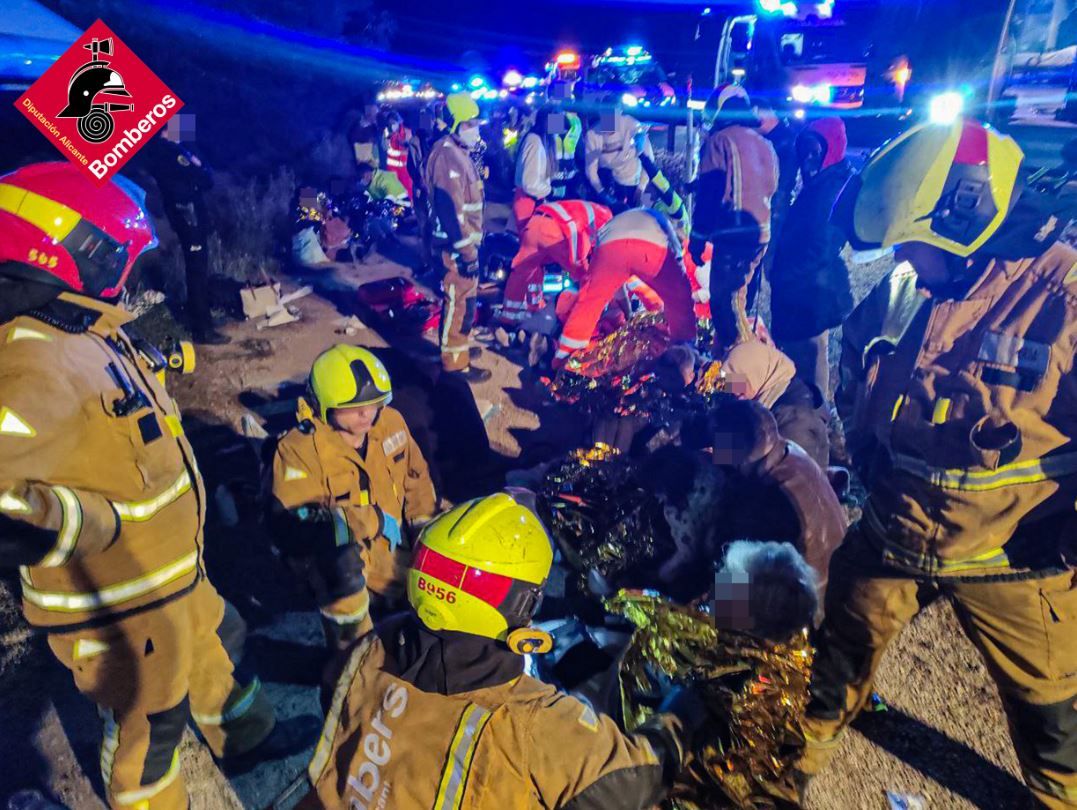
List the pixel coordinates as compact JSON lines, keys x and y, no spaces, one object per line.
{"x":766,"y":589}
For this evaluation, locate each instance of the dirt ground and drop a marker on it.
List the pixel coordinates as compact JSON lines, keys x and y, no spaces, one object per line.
{"x":943,"y":736}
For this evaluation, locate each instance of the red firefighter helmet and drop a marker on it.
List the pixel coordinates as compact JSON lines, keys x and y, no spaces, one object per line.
{"x":58,"y":226}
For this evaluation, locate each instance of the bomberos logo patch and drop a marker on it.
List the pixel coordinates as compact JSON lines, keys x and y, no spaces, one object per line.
{"x":99,"y":103}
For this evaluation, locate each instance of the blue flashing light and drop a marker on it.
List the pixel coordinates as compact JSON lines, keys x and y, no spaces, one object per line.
{"x":706,"y":12}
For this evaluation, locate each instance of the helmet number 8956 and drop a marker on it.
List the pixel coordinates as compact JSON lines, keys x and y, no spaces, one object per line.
{"x":438,"y":592}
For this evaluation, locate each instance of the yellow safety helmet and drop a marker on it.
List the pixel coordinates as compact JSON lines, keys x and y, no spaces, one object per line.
{"x":480,"y":569}
{"x":461,"y":107}
{"x":348,"y":377}
{"x":948,"y":186}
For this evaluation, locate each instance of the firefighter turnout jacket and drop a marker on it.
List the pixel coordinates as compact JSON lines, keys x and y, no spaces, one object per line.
{"x":961,"y":413}
{"x":521,"y":743}
{"x":738,"y":175}
{"x":456,"y":193}
{"x":375,"y":496}
{"x":101,"y":500}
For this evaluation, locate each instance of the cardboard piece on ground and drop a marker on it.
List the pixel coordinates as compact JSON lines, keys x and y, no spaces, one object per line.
{"x":349,"y":325}
{"x":280,"y":317}
{"x":252,"y":428}
{"x":258,"y":301}
{"x":295,"y":295}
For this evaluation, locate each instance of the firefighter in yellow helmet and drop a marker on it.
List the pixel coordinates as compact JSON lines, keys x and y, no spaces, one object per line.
{"x":960,"y":406}
{"x":433,"y":708}
{"x":350,"y":485}
{"x":457,"y":200}
{"x":101,"y":501}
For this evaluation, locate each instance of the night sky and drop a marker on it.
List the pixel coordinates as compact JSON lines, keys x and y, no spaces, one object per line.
{"x":526,"y":34}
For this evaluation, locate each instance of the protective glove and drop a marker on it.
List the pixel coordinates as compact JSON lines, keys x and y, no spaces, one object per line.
{"x":469,"y":269}
{"x":696,"y":246}
{"x":391,"y":531}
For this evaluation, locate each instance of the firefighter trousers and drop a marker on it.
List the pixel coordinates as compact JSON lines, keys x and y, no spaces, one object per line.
{"x":732,"y":270}
{"x":1026,"y":630}
{"x":457,"y":314}
{"x":150,"y":674}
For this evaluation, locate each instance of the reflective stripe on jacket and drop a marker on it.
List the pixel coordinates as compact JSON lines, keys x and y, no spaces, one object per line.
{"x":456,"y":193}
{"x":521,"y":744}
{"x":93,"y":461}
{"x":580,"y":222}
{"x":961,"y":413}
{"x":738,"y":175}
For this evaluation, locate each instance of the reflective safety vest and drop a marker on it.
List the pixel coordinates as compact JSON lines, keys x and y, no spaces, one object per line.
{"x":579,"y":222}
{"x":396,"y":153}
{"x":962,"y":415}
{"x":93,"y":456}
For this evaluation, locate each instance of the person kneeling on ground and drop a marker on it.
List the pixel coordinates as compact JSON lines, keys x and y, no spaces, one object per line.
{"x":433,"y":708}
{"x":349,"y":485}
{"x":636,"y":250}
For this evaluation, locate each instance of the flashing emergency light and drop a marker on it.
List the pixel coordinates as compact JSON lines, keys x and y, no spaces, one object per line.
{"x":629,"y":100}
{"x":529,"y":82}
{"x":799,"y":114}
{"x":455,"y":86}
{"x":812,"y":93}
{"x":568,"y":59}
{"x":477,"y":81}
{"x":706,"y":12}
{"x":512,"y":78}
{"x":783,"y":7}
{"x":634,"y":50}
{"x":945,"y":108}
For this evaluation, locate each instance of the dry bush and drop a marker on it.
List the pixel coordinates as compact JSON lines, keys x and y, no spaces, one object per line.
{"x":330,"y":157}
{"x":251,"y":219}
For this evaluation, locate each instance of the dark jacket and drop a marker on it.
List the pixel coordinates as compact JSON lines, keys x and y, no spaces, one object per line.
{"x":783,"y":139}
{"x":810,"y":290}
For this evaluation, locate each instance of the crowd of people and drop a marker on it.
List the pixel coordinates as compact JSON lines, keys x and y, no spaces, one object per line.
{"x":956,"y":392}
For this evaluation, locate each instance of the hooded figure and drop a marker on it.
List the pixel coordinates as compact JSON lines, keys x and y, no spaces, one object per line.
{"x":810,"y":292}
